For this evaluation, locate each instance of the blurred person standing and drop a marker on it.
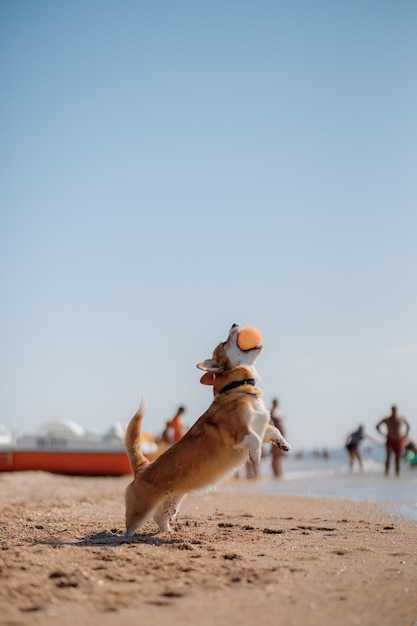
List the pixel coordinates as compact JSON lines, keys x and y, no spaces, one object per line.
{"x":177,"y":426}
{"x":353,"y":446}
{"x":396,"y":432}
{"x":277,"y":420}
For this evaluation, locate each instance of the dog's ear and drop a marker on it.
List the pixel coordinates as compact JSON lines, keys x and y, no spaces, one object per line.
{"x":207,"y":378}
{"x":218,"y":363}
{"x":209,"y":365}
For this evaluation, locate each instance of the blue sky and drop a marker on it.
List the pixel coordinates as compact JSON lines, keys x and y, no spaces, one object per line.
{"x":168,"y":169}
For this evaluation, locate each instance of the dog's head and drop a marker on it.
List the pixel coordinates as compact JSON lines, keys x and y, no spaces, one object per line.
{"x":228,"y":355}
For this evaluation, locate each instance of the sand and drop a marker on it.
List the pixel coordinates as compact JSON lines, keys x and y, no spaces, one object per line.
{"x":233,"y":559}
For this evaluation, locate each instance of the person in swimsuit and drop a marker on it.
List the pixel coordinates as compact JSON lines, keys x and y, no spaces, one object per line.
{"x":177,"y":424}
{"x":353,"y":447}
{"x":174,"y":430}
{"x":396,"y":431}
{"x":277,"y":420}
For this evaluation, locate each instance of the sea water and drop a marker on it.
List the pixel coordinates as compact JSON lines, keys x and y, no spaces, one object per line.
{"x":314,"y":475}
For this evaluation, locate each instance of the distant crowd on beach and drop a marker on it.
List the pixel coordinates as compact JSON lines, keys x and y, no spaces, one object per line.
{"x":395,"y":428}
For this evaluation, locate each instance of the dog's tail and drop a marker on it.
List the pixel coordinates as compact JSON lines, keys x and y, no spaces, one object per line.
{"x":137,"y":459}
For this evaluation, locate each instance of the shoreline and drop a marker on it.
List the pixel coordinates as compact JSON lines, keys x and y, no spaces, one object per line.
{"x":394,"y":505}
{"x":233,"y":558}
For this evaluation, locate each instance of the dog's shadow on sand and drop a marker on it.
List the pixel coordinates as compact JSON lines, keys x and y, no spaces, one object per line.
{"x":111,"y":539}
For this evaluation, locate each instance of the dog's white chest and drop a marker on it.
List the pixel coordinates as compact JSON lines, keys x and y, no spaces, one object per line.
{"x":260,"y":418}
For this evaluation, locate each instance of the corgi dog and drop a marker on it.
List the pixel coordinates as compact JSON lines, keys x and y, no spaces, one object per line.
{"x":233,"y":429}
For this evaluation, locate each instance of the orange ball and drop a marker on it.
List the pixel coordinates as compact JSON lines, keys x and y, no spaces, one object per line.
{"x":249,"y":337}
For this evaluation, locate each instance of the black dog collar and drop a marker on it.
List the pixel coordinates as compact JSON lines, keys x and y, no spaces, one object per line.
{"x":238,"y":383}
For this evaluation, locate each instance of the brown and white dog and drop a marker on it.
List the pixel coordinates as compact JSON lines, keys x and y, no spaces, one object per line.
{"x":233,"y":428}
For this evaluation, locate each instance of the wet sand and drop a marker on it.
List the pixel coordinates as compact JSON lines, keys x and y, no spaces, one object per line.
{"x":233,"y":559}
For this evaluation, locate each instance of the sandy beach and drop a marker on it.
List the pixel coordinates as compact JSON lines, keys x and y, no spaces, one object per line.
{"x":233,"y":559}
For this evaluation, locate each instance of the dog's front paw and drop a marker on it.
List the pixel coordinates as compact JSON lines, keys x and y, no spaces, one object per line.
{"x":282,"y":444}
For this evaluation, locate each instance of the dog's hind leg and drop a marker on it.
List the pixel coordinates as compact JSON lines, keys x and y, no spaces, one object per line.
{"x":139,"y":508}
{"x":167,"y":511}
{"x":133,"y":525}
